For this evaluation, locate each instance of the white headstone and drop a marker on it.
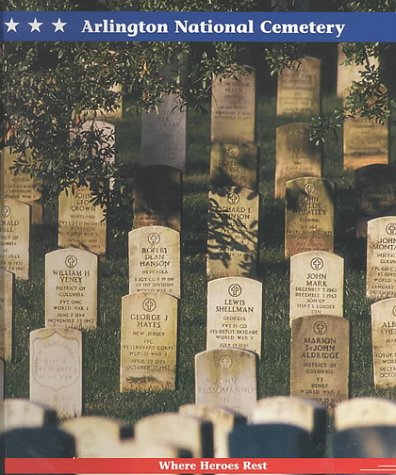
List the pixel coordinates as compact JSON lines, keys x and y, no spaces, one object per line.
{"x":6,"y":314}
{"x":363,"y":412}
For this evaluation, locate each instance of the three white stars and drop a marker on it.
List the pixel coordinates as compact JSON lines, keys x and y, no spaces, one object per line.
{"x":35,"y":25}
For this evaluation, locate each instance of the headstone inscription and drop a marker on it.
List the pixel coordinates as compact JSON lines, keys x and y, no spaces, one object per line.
{"x":348,"y":72}
{"x":296,"y":155}
{"x":71,"y":289}
{"x":6,"y":314}
{"x":294,"y":411}
{"x":373,"y":149}
{"x":186,"y":432}
{"x":223,"y":420}
{"x":95,"y":436}
{"x":316,"y":284}
{"x":270,"y":440}
{"x":164,"y":134}
{"x":81,"y":224}
{"x":375,"y":195}
{"x":320,"y":358}
{"x":21,"y":186}
{"x":154,"y":260}
{"x":148,"y":342}
{"x":233,"y":164}
{"x":309,"y":220}
{"x":234,"y":316}
{"x":299,"y":89}
{"x":55,"y":369}
{"x":157,"y":197}
{"x":234,"y":108}
{"x":363,"y":412}
{"x":233,"y":219}
{"x":15,"y":237}
{"x":226,"y":378}
{"x":381,"y":258}
{"x":383,"y":329}
{"x":22,"y":413}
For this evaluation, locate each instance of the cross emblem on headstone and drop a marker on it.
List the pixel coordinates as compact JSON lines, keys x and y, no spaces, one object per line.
{"x":317,"y":263}
{"x":154,"y":238}
{"x":5,"y":211}
{"x":71,"y":261}
{"x":149,"y":305}
{"x":233,"y":198}
{"x":320,"y":328}
{"x":391,"y":228}
{"x":235,"y":290}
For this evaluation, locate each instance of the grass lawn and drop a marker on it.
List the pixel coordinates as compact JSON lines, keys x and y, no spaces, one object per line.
{"x":101,"y":348}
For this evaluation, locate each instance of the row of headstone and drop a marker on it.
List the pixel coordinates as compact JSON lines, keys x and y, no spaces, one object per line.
{"x":278,"y":427}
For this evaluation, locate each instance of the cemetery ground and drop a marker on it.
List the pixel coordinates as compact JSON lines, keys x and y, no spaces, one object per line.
{"x":101,"y":348}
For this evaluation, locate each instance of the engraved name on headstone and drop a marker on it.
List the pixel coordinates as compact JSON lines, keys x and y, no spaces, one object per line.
{"x":233,"y":164}
{"x":383,"y":328}
{"x":71,"y":289}
{"x":80,"y":223}
{"x":234,"y":108}
{"x":154,"y":260}
{"x":320,"y":358}
{"x":309,"y":220}
{"x":164,"y":134}
{"x":56,"y":369}
{"x":148,"y":342}
{"x":375,"y":187}
{"x":233,"y":219}
{"x":381,"y":258}
{"x":373,"y":149}
{"x":316,"y":284}
{"x":299,"y":89}
{"x":21,"y":186}
{"x":15,"y":237}
{"x":296,"y":155}
{"x":157,"y":197}
{"x":226,"y":378}
{"x":364,"y":412}
{"x":6,"y":314}
{"x":234,"y":314}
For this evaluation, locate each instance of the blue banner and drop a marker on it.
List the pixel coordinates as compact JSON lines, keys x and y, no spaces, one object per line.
{"x":198,"y":26}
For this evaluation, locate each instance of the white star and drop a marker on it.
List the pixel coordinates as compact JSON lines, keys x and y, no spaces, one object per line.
{"x":35,"y":25}
{"x":11,"y":25}
{"x":59,"y":26}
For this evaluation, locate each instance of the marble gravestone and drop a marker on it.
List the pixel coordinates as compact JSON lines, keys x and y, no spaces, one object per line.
{"x":375,"y":187}
{"x":320,"y":358}
{"x":234,"y":314}
{"x":6,"y":314}
{"x":21,"y":187}
{"x":148,"y":342}
{"x":81,"y":224}
{"x":364,"y":412}
{"x":56,"y":369}
{"x":96,"y":436}
{"x":298,"y":91}
{"x":373,"y":149}
{"x":71,"y":289}
{"x":226,"y":378}
{"x":316,"y":284}
{"x":309,"y":220}
{"x":164,"y":134}
{"x":157,"y":197}
{"x":22,"y":413}
{"x":154,"y":260}
{"x":178,"y":430}
{"x":296,"y":156}
{"x":233,"y":112}
{"x":233,"y":219}
{"x":99,"y":136}
{"x":233,"y":164}
{"x":383,"y":330}
{"x":348,"y":73}
{"x":15,"y":237}
{"x":381,"y":258}
{"x":223,"y":420}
